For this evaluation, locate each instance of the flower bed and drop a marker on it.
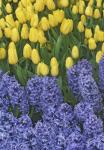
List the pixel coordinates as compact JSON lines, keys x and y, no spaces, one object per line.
{"x":51,"y":75}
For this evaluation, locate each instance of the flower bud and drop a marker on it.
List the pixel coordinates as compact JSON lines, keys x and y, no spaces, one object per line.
{"x":10,"y":21}
{"x":75,"y":9}
{"x":69,"y":62}
{"x":7,"y":32}
{"x":8,"y":8}
{"x":33,"y":35}
{"x":59,"y":15}
{"x":27,"y":51}
{"x":2,"y":53}
{"x":52,"y":20}
{"x":41,"y":37}
{"x":99,"y":56}
{"x":34,"y":20}
{"x":20,"y":15}
{"x":44,"y":70}
{"x":97,"y":14}
{"x":81,"y":9}
{"x":92,"y":44}
{"x":83,"y":19}
{"x":53,"y":62}
{"x":89,"y":11}
{"x":35,"y":56}
{"x":17,"y":24}
{"x":100,"y":36}
{"x":12,"y":56}
{"x":15,"y":35}
{"x":75,"y":52}
{"x":39,"y":5}
{"x":44,"y":24}
{"x":54,"y":70}
{"x":88,"y":33}
{"x":50,"y":4}
{"x":64,"y":3}
{"x":25,"y":32}
{"x":2,"y":23}
{"x":80,"y":26}
{"x":66,"y":26}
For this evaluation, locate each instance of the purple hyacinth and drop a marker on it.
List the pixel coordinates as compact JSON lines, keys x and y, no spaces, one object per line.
{"x":44,"y":92}
{"x":13,"y":93}
{"x":82,"y":111}
{"x":96,"y":143}
{"x":89,"y":90}
{"x":93,"y":126}
{"x":101,"y":76}
{"x":73,"y":74}
{"x":76,"y":141}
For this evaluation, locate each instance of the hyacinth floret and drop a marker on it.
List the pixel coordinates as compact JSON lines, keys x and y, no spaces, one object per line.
{"x":82,"y":111}
{"x":89,"y":90}
{"x":93,"y":126}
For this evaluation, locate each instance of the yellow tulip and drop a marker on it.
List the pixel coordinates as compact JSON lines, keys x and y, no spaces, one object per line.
{"x":2,"y":23}
{"x":39,"y":5}
{"x":44,"y":70}
{"x":52,"y":20}
{"x":97,"y":14}
{"x":88,"y":33}
{"x":75,"y":52}
{"x":54,"y":70}
{"x":75,"y":9}
{"x":10,"y":20}
{"x":50,"y":4}
{"x":15,"y":35}
{"x":33,"y":35}
{"x":27,"y":51}
{"x":92,"y":44}
{"x":99,"y":56}
{"x":8,"y":8}
{"x":34,"y":20}
{"x":53,"y":62}
{"x":25,"y":31}
{"x":59,"y":15}
{"x":83,"y":19}
{"x":89,"y":11}
{"x":12,"y":56}
{"x":80,"y":26}
{"x":35,"y":56}
{"x":7,"y":32}
{"x":64,"y":3}
{"x":41,"y":37}
{"x":2,"y":53}
{"x":44,"y":23}
{"x":69,"y":62}
{"x":66,"y":26}
{"x":20,"y":15}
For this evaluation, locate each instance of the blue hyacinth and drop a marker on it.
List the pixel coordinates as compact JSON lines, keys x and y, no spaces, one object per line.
{"x":73,"y":76}
{"x":44,"y":92}
{"x":101,"y":76}
{"x":93,"y":126}
{"x":82,"y":111}
{"x":89,"y":90}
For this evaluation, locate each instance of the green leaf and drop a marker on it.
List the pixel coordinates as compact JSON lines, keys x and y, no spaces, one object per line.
{"x":58,"y":46}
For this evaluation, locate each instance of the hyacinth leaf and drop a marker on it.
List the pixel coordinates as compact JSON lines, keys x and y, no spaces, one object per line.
{"x":21,"y":74}
{"x":58,"y":46}
{"x":4,"y":66}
